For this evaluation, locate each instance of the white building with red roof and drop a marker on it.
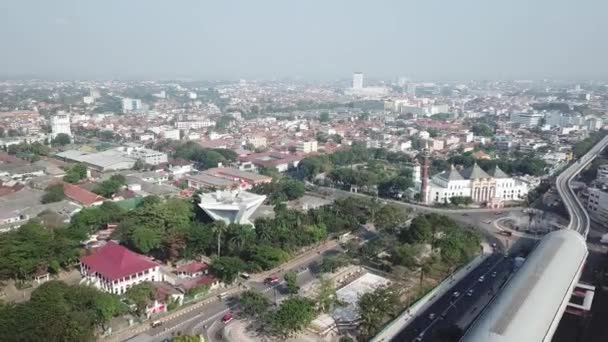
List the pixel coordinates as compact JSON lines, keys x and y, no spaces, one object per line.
{"x":114,"y":268}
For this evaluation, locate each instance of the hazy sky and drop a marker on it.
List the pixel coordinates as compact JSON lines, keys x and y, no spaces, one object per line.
{"x":229,"y":39}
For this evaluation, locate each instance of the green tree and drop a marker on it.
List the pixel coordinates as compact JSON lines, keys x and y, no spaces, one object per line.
{"x":219,"y":227}
{"x":254,"y":303}
{"x":76,"y":173}
{"x":294,"y":314}
{"x":291,"y":281}
{"x":324,"y":117}
{"x":390,"y":218}
{"x":227,"y":268}
{"x":326,"y":296}
{"x":141,"y":295}
{"x":375,"y":308}
{"x":61,"y":139}
{"x":109,"y":187}
{"x":139,"y":165}
{"x":332,"y":263}
{"x":59,"y":312}
{"x":54,"y":193}
{"x":482,"y":130}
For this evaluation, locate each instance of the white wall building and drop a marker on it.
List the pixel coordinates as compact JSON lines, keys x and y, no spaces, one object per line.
{"x":130,"y":105}
{"x":597,"y":205}
{"x":527,"y":119}
{"x":358,"y":80}
{"x":602,"y":173}
{"x":257,"y":141}
{"x":88,"y":99}
{"x":231,"y":206}
{"x":490,"y":188}
{"x":196,"y":124}
{"x":307,"y":146}
{"x":114,"y":268}
{"x":60,"y":123}
{"x":171,"y":134}
{"x":147,"y":155}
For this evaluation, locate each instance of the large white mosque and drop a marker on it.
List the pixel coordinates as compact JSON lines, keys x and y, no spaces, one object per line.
{"x":490,"y":188}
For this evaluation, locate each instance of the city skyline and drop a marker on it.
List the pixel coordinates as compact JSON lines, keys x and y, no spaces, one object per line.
{"x":312,"y":40}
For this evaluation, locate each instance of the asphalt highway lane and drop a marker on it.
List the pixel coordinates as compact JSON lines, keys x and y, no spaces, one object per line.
{"x":451,"y":310}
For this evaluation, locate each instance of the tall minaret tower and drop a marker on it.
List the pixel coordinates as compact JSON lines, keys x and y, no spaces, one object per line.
{"x":424,"y":185}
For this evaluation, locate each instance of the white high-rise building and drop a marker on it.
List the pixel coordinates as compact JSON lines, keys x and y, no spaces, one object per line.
{"x":358,"y":80}
{"x":231,"y":206}
{"x":130,"y":105}
{"x":527,"y":119}
{"x":60,"y":123}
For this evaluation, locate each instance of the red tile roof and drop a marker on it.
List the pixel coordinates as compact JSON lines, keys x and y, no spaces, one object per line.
{"x":114,"y":261}
{"x":193,"y":267}
{"x":80,"y":195}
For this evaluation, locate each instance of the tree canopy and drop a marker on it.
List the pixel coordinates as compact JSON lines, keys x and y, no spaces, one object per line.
{"x":111,"y":186}
{"x":140,"y":295}
{"x":76,"y":173}
{"x":54,"y":193}
{"x":254,"y":303}
{"x":59,"y":312}
{"x":32,"y":248}
{"x":61,"y":139}
{"x":280,"y":190}
{"x":204,"y":158}
{"x":294,"y":314}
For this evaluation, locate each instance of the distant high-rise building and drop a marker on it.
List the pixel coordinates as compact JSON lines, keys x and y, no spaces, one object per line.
{"x":402,"y":81}
{"x":130,"y":105}
{"x":358,"y":80}
{"x":411,"y":89}
{"x":527,"y":119}
{"x":94,"y":93}
{"x":60,"y":123}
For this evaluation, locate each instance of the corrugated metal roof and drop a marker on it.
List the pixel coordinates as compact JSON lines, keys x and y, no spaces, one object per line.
{"x":526,"y":308}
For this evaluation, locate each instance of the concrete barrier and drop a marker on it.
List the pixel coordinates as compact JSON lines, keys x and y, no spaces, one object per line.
{"x":402,"y":321}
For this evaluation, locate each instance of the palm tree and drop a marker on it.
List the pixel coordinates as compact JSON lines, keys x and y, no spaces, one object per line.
{"x":241,"y":235}
{"x":219,"y":227}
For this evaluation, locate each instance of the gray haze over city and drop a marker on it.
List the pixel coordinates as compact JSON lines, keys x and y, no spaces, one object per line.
{"x":472,"y":39}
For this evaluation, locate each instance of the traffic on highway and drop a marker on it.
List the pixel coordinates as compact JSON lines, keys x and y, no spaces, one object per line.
{"x":460,"y":306}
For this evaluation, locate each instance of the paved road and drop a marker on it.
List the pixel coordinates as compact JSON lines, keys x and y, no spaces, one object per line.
{"x":448,"y":310}
{"x":416,"y":207}
{"x":579,"y":218}
{"x":196,"y":316}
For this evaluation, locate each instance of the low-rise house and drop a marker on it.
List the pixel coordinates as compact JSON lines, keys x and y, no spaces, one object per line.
{"x":20,"y":171}
{"x":192,"y":269}
{"x":82,"y":196}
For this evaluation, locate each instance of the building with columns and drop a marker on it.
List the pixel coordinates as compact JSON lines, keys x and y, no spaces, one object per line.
{"x":491,"y":188}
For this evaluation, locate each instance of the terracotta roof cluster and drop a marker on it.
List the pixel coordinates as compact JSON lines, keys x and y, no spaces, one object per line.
{"x":80,"y":195}
{"x":114,"y":261}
